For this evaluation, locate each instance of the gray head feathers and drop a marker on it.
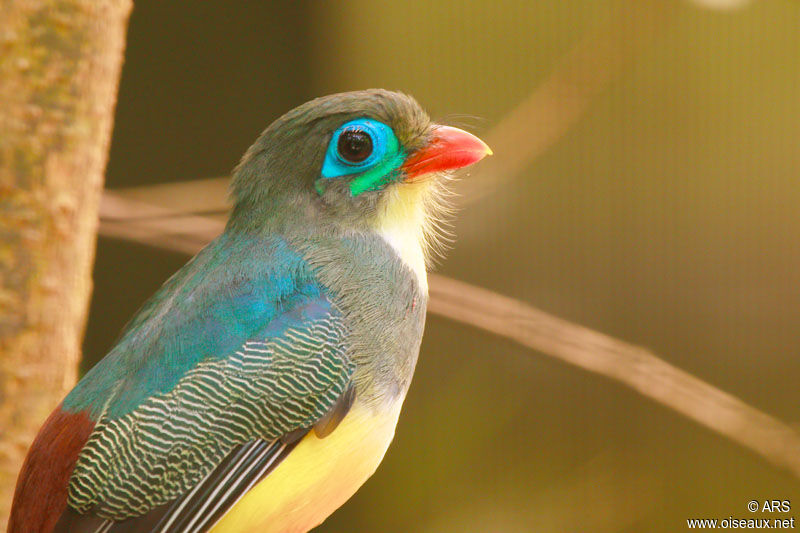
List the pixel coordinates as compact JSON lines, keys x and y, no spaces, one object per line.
{"x":278,"y":172}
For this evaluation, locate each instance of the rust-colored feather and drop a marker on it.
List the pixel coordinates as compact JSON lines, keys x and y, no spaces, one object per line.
{"x":41,"y":494}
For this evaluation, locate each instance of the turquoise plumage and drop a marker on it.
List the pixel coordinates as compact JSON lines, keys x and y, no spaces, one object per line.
{"x":206,"y":310}
{"x":241,"y":344}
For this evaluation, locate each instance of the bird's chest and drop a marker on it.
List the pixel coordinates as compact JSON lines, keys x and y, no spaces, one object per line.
{"x":384,"y":306}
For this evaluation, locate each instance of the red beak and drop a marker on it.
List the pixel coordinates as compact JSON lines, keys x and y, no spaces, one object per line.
{"x":451,"y":148}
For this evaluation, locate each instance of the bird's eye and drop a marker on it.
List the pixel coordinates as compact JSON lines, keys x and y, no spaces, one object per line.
{"x":355,"y":145}
{"x":365,"y":149}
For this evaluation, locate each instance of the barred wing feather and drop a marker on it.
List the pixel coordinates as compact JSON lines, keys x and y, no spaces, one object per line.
{"x":182,"y":458}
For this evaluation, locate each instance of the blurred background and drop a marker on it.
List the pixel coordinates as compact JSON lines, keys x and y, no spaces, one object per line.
{"x":645,"y":184}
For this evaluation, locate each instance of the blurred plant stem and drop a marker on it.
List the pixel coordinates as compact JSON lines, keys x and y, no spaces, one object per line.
{"x":535,"y":125}
{"x":545,"y":116}
{"x":596,"y":352}
{"x":167,"y":216}
{"x":625,"y":363}
{"x":59,"y":66}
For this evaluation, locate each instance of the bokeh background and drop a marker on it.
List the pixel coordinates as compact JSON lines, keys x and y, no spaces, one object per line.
{"x":663,"y":209}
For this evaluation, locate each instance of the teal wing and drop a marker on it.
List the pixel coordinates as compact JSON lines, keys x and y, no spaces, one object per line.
{"x":177,"y":458}
{"x":191,"y":453}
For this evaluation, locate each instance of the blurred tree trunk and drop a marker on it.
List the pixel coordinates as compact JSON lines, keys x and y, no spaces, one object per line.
{"x":59,"y":70}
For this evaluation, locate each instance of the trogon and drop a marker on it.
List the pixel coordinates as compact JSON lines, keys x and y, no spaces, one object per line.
{"x":261,"y":385}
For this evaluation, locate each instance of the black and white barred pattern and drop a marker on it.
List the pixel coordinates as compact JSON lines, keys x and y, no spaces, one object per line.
{"x":169,"y":443}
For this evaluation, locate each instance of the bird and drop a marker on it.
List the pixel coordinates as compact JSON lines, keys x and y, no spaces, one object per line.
{"x":261,"y":385}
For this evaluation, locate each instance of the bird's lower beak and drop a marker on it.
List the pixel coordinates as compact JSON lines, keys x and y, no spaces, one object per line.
{"x":451,"y":148}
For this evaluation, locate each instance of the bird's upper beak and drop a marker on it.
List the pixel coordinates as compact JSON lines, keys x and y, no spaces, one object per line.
{"x":450,"y":148}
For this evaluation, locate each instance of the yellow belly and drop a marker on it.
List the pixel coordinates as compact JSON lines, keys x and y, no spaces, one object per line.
{"x":317,"y":477}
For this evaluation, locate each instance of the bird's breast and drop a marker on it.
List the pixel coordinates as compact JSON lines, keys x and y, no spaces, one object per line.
{"x":318,"y":476}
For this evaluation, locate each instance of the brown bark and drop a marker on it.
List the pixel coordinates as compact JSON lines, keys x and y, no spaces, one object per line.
{"x":59,"y":70}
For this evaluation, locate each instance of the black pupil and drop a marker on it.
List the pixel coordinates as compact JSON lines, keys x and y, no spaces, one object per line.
{"x":354,"y":145}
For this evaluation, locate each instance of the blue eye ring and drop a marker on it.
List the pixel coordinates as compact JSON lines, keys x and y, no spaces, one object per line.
{"x":376,"y":169}
{"x":380,"y":135}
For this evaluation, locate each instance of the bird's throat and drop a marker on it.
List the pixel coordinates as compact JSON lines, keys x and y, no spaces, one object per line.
{"x":409,"y":249}
{"x":401,"y":223}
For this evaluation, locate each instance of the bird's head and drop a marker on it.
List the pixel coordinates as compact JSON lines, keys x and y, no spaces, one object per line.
{"x":365,"y":161}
